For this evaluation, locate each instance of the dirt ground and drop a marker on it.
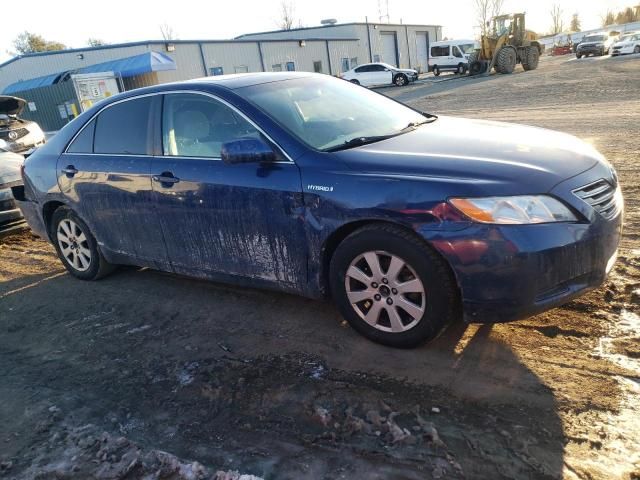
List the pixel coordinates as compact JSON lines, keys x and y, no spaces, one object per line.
{"x":146,"y":374}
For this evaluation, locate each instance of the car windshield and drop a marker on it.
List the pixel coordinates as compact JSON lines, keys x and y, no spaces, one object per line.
{"x":595,"y":38}
{"x":327,"y":113}
{"x":467,"y":48}
{"x":625,"y":38}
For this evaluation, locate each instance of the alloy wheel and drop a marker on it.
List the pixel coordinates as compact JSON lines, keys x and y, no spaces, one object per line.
{"x":385,"y":291}
{"x":73,"y":245}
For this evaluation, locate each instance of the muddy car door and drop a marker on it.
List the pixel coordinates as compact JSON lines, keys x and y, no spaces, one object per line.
{"x":105,"y":176}
{"x":243,"y":219}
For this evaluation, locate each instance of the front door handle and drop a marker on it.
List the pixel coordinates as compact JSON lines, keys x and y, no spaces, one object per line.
{"x":166,"y":179}
{"x":69,"y":171}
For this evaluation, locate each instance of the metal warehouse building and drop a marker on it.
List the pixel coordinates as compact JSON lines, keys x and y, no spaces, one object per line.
{"x":44,"y":79}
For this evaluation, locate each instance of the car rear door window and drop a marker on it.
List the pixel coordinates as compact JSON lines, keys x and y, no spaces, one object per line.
{"x":124,"y":128}
{"x":83,"y":143}
{"x":197,"y":125}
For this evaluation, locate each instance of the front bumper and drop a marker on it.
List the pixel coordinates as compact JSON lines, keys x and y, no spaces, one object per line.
{"x":509,"y":272}
{"x":595,"y":50}
{"x":622,"y":51}
{"x":8,"y":209}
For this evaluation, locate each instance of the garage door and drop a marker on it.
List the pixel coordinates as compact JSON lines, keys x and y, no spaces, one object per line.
{"x":389,"y":51}
{"x":421,"y":49}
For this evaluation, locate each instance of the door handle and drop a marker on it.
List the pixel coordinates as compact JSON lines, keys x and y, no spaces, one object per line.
{"x":165,"y":178}
{"x":69,"y":171}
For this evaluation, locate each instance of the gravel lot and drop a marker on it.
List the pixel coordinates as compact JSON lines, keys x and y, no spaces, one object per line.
{"x":101,"y":380}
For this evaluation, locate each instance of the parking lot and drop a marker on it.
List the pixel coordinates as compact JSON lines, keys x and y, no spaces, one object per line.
{"x":146,"y":372}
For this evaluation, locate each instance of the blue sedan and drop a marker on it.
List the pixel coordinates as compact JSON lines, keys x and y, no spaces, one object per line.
{"x":312,"y":185}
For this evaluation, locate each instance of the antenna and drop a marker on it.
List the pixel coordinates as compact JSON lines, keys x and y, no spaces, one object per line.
{"x":383,"y":10}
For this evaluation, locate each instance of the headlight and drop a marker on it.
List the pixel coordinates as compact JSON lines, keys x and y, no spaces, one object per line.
{"x":521,"y":209}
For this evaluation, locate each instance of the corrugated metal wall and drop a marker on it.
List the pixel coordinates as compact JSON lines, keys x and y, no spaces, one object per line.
{"x":280,"y":53}
{"x":406,"y":40}
{"x":53,"y":105}
{"x":40,"y":65}
{"x":231,"y":57}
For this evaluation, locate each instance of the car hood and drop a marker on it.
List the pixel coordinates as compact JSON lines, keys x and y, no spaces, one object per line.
{"x":492,"y":156}
{"x":405,"y":70}
{"x":11,"y":105}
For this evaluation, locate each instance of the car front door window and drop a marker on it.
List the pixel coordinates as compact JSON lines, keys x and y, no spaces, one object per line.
{"x":197,"y":126}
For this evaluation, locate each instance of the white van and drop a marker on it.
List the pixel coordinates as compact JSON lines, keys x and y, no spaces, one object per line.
{"x":450,"y":55}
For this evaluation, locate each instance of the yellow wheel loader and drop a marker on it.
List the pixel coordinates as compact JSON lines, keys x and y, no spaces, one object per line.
{"x":505,"y":44}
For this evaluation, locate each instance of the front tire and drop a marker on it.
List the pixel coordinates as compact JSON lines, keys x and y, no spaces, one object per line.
{"x":76,"y":246}
{"x":401,"y":80}
{"x":392,"y":287}
{"x":436,"y":70}
{"x":506,"y":61}
{"x":355,"y":82}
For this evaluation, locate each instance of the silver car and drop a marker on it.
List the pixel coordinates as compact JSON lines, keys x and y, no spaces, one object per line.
{"x":19,"y":134}
{"x":10,"y":164}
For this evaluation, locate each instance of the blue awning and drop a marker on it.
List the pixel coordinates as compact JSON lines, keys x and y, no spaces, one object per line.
{"x":32,"y":83}
{"x":125,"y":67}
{"x":136,"y":65}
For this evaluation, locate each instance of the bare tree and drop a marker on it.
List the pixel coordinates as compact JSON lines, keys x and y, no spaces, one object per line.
{"x":167,"y":32}
{"x":485,"y":11}
{"x":608,"y":18}
{"x":286,"y":20}
{"x":575,"y":23}
{"x":557,"y":25}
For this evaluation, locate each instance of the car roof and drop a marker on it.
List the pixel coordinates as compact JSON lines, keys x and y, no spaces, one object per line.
{"x":240,"y":80}
{"x":373,"y":63}
{"x":461,"y":41}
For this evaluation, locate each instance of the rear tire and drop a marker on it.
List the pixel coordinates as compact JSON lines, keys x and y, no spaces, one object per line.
{"x":76,"y":246}
{"x":436,"y":70}
{"x":506,"y":61}
{"x":636,"y":49}
{"x":531,"y":58}
{"x":371,"y":298}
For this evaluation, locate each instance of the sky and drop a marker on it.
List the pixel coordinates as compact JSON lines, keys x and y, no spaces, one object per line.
{"x":73,"y":22}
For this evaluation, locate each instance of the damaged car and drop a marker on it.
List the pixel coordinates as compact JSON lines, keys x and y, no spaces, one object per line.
{"x":20,"y":135}
{"x":308,"y":184}
{"x":10,"y":178}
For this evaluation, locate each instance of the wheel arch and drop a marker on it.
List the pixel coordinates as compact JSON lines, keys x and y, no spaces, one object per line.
{"x":332,"y":242}
{"x":538,"y":46}
{"x":47,"y":213}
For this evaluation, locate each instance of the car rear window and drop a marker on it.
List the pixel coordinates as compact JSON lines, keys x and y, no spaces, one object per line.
{"x":124,"y":128}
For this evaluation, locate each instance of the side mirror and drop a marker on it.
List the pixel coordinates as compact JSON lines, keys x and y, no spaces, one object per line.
{"x":246,"y":150}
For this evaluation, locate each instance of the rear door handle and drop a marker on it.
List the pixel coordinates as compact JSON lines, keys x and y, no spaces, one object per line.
{"x":165,"y":178}
{"x":69,"y":171}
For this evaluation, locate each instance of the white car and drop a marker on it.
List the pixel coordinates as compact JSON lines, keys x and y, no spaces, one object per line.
{"x":18,"y":134}
{"x":628,"y":43}
{"x":370,"y":74}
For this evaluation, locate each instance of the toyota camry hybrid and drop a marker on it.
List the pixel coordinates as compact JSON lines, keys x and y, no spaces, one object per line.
{"x":309,"y":184}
